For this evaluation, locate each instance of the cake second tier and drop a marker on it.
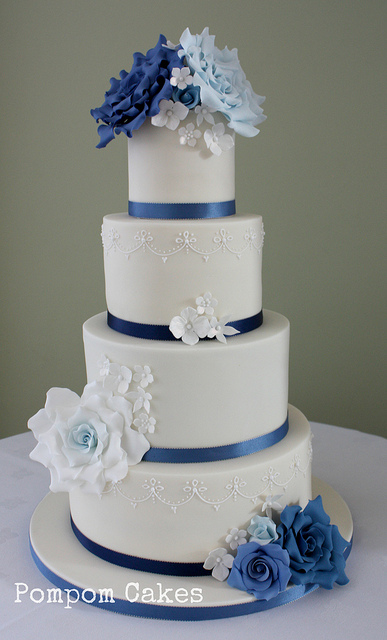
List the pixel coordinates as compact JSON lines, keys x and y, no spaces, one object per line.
{"x":156,"y":268}
{"x":206,"y":395}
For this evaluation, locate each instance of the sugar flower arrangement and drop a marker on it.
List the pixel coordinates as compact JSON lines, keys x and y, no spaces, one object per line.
{"x":172,"y":81}
{"x":262,"y":559}
{"x":92,"y":440}
{"x":195,"y":324}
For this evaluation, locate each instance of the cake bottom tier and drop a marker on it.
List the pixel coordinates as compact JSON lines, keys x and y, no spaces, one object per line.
{"x":180,"y":512}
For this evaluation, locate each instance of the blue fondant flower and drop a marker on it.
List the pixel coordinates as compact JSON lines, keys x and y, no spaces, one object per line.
{"x":223,"y":84}
{"x":262,"y":530}
{"x":136,"y":95}
{"x":260,"y":570}
{"x":315,"y":547}
{"x":190,"y":96}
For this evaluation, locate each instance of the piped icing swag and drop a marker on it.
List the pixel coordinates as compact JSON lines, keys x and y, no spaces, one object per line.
{"x":172,"y":80}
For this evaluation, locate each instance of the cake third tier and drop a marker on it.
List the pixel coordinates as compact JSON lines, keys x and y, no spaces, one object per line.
{"x":205,"y":395}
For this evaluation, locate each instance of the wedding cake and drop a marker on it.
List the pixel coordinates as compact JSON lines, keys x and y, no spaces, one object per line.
{"x":182,"y":462}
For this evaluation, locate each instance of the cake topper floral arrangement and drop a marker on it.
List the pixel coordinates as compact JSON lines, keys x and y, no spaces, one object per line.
{"x":171,"y":81}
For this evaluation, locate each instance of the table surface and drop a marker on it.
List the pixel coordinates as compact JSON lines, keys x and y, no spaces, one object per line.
{"x":353,"y":463}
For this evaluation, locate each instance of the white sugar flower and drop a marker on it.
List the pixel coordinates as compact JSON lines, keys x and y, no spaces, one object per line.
{"x":170,"y":114}
{"x":204,"y":113}
{"x":143,"y":375}
{"x":141,"y":399}
{"x":271,"y":503}
{"x":206,"y":304}
{"x":189,"y":326}
{"x":236,"y":537}
{"x":181,"y":78}
{"x":118,"y":378}
{"x":145,"y":424}
{"x":104,"y":366}
{"x":86,"y":441}
{"x":189,"y":135}
{"x":219,"y":330}
{"x":220,"y":562}
{"x":217,"y":140}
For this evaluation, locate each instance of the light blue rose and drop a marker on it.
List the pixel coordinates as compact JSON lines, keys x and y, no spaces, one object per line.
{"x":84,"y":437}
{"x":223,"y":84}
{"x":262,"y":530}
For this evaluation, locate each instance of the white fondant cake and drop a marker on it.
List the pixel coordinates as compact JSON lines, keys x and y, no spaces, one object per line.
{"x":185,"y":417}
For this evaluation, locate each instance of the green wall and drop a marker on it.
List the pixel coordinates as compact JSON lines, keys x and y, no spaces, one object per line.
{"x":314,"y":173}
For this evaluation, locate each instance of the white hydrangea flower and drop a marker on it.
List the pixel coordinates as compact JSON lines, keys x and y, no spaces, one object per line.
{"x":86,"y":441}
{"x":181,"y":78}
{"x":271,"y":503}
{"x":104,"y":366}
{"x":236,"y":537}
{"x":143,"y":375}
{"x":144,"y":423}
{"x":220,"y":561}
{"x":189,"y":326}
{"x":206,"y":304}
{"x":141,"y":399}
{"x":189,"y":135}
{"x":118,"y":378}
{"x":219,"y":330}
{"x":204,"y":113}
{"x":217,"y":140}
{"x":170,"y":115}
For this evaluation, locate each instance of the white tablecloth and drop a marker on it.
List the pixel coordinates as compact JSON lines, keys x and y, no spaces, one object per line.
{"x":353,"y":463}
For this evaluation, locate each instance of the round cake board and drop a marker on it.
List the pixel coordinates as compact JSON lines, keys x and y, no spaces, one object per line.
{"x":83,"y":577}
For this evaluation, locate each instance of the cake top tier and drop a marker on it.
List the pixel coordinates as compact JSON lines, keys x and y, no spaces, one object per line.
{"x":180,"y":106}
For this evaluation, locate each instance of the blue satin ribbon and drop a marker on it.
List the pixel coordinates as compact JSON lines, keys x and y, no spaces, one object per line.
{"x":181,"y":211}
{"x":192,"y":613}
{"x":139,"y":564}
{"x":223,"y":452}
{"x":162,"y":332}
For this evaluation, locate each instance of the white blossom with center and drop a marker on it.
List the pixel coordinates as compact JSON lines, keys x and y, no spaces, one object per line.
{"x":181,"y":78}
{"x":217,"y":140}
{"x":189,"y":135}
{"x":189,"y":326}
{"x":220,"y":562}
{"x":170,"y":115}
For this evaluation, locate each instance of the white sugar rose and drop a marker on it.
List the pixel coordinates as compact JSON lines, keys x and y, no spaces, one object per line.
{"x":86,"y":441}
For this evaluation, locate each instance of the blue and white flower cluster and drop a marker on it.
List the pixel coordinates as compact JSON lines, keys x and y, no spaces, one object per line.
{"x":195,"y":324}
{"x":172,"y":80}
{"x":304,"y":549}
{"x":90,"y":440}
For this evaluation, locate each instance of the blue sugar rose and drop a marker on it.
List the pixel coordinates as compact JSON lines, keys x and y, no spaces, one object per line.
{"x":136,"y":95}
{"x":260,"y":570}
{"x":189,"y":97}
{"x":315,"y":547}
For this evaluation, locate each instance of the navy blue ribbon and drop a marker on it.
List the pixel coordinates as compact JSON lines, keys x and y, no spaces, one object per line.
{"x":162,"y":332}
{"x":139,"y":564}
{"x":194,"y":612}
{"x":223,"y":452}
{"x":181,"y":210}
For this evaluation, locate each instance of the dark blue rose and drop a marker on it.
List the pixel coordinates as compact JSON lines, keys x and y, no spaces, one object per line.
{"x":190,"y":96}
{"x":315,"y":546}
{"x":136,"y":95}
{"x":260,"y":570}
